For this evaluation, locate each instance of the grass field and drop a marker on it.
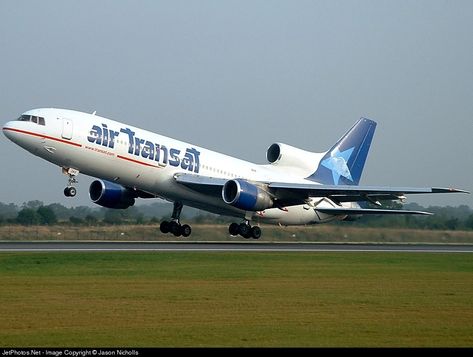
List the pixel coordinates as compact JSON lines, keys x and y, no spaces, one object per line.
{"x":236,"y":299}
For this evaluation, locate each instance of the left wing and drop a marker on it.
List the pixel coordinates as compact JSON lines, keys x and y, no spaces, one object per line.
{"x":204,"y":184}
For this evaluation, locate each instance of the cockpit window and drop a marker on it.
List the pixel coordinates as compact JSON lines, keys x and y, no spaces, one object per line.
{"x":32,"y":118}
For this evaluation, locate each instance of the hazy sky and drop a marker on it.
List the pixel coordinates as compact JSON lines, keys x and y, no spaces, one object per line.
{"x":236,"y":76}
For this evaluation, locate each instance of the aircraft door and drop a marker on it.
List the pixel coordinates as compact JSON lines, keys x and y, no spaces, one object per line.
{"x":67,"y":128}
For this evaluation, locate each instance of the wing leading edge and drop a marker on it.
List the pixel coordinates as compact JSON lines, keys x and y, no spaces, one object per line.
{"x":345,"y":193}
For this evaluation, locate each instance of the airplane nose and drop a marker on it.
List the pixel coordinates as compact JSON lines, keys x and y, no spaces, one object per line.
{"x":8,"y":130}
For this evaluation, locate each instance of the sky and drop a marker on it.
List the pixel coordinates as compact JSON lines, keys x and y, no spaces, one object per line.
{"x":237,"y":76}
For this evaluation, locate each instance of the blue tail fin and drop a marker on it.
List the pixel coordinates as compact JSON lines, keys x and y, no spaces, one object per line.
{"x":344,"y":162}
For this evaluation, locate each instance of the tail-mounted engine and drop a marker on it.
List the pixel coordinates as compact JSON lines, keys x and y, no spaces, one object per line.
{"x":279,"y":154}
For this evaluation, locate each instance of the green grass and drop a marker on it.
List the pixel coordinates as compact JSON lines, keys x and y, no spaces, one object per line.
{"x":236,"y":299}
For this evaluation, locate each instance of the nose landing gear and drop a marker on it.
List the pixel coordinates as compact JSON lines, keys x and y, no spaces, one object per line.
{"x":70,"y":190}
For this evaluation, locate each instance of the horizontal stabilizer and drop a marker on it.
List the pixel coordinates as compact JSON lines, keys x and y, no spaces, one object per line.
{"x":346,"y":193}
{"x":342,"y":210}
{"x":317,"y":190}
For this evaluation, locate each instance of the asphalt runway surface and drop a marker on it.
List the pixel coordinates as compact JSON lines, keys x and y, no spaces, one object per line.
{"x":252,"y":246}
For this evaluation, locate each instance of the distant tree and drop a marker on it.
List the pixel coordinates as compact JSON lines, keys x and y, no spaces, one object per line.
{"x":8,"y":211}
{"x":81,"y":211}
{"x":140,"y":219}
{"x":28,"y":217}
{"x":61,"y":212}
{"x":90,"y":220}
{"x":46,"y":215}
{"x":451,"y":223}
{"x":201,"y":218}
{"x":35,"y":204}
{"x":113,"y":216}
{"x":435,"y":222}
{"x":131,"y":214}
{"x":155,"y":220}
{"x":469,"y":222}
{"x":462,"y":212}
{"x":76,"y":220}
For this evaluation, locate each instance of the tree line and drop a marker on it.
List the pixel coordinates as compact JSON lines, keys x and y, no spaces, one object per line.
{"x":37,"y":213}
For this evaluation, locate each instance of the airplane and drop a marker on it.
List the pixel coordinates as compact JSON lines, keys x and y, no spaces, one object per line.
{"x":296,"y":187}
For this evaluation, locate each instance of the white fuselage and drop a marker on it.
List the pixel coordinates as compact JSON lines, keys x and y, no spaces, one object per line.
{"x":140,"y":159}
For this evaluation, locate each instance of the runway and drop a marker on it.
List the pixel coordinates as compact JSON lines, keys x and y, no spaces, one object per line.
{"x":179,"y":246}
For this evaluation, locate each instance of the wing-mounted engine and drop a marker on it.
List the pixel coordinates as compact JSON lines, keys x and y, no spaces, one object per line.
{"x":246,"y":196}
{"x":279,"y":154}
{"x":111,"y":195}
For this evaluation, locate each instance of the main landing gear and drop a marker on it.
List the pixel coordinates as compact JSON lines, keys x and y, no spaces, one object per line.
{"x":70,"y":190}
{"x":174,"y":226}
{"x":245,"y":230}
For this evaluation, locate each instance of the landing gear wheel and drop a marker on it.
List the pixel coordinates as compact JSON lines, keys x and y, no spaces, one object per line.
{"x":244,"y":230}
{"x":70,"y":191}
{"x":164,"y":227}
{"x":175,"y":228}
{"x":234,"y":229}
{"x":186,"y":230}
{"x":256,"y":232}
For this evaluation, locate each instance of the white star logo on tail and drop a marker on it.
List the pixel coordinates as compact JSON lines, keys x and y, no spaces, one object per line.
{"x":337,"y":163}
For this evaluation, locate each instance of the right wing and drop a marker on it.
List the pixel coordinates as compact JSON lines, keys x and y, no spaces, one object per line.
{"x":291,"y":194}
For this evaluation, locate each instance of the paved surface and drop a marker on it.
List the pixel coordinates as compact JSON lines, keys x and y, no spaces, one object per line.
{"x":102,"y":246}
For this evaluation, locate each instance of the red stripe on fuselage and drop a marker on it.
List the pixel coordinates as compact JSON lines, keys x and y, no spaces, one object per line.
{"x":43,"y":136}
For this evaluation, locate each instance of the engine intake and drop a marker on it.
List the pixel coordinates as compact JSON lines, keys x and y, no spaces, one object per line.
{"x":111,"y":195}
{"x":284,"y":155}
{"x":274,"y":153}
{"x":246,"y":196}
